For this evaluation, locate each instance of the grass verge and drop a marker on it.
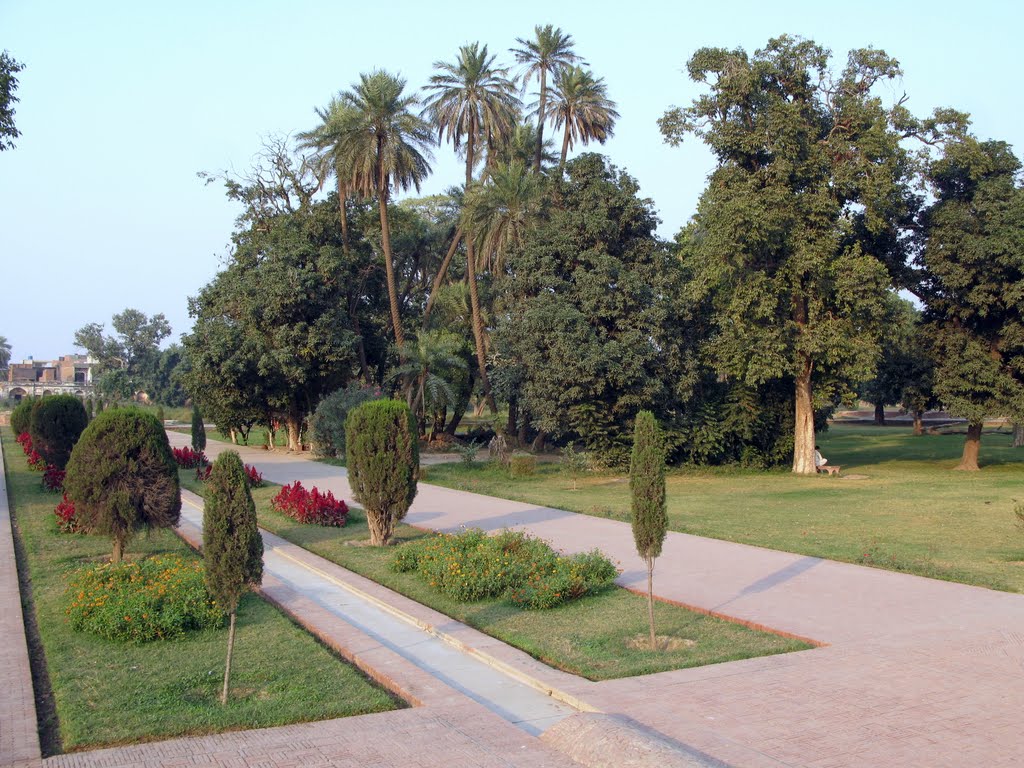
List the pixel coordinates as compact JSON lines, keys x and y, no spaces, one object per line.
{"x":898,"y":505}
{"x":588,"y":637}
{"x":110,"y":693}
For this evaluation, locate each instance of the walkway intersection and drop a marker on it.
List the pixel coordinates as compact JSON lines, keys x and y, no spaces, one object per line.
{"x":911,"y":672}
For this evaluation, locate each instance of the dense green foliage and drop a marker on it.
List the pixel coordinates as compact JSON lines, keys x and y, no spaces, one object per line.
{"x":129,"y":359}
{"x":122,"y":477}
{"x":55,"y":427}
{"x":327,"y":425}
{"x":158,"y":598}
{"x":382,"y":456}
{"x":470,"y":566}
{"x":9,"y":67}
{"x":198,"y":430}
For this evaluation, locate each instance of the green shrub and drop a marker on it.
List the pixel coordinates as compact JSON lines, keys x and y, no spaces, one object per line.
{"x":382,"y":456}
{"x":574,"y":463}
{"x":21,"y":416}
{"x":471,"y":566}
{"x":327,"y":424}
{"x":160,"y":414}
{"x":122,"y":477}
{"x":55,"y":427}
{"x":152,"y":599}
{"x":198,"y":430}
{"x":90,"y":408}
{"x":522,"y":465}
{"x":467,"y":451}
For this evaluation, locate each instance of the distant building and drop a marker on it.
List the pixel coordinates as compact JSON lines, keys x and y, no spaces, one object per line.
{"x":68,"y":374}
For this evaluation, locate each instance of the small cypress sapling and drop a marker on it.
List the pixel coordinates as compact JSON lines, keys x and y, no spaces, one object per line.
{"x":160,"y":414}
{"x":198,"y":430}
{"x":383,"y":460}
{"x":122,"y":477}
{"x":232,"y":546}
{"x":647,"y":488}
{"x":56,"y":426}
{"x":90,"y":409}
{"x":99,"y":406}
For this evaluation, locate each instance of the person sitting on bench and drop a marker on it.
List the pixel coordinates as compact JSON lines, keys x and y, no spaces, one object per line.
{"x":819,"y":460}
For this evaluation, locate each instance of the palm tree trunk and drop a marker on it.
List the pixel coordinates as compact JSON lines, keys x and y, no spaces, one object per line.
{"x":441,"y":272}
{"x":343,"y":214}
{"x":389,"y":268}
{"x":478,"y":328}
{"x":565,"y":149}
{"x":227,"y":665}
{"x":541,"y":104}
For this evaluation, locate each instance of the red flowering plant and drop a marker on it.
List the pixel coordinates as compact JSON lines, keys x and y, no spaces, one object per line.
{"x":25,"y":441}
{"x":65,"y":513}
{"x":189,"y":459}
{"x":312,"y":507}
{"x":203,"y":473}
{"x":254,"y":476}
{"x":53,"y":479}
{"x":36,"y":462}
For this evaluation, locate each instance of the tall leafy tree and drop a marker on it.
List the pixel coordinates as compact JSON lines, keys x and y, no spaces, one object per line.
{"x":809,"y":164}
{"x":545,"y":55}
{"x":581,"y":106}
{"x":973,"y":263}
{"x":384,"y":145}
{"x":232,"y":545}
{"x":133,"y":351}
{"x":474,"y":105}
{"x":9,"y":68}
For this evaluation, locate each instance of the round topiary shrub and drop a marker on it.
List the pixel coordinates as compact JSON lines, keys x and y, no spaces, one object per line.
{"x":21,"y":416}
{"x":122,"y":477}
{"x":152,"y":599}
{"x":383,"y":460}
{"x":55,"y":427}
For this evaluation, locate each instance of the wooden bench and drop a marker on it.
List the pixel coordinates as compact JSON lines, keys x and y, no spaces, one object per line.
{"x":829,"y":469}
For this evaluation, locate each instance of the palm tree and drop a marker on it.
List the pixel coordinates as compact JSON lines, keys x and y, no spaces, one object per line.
{"x":473,"y":101}
{"x":5,"y":353}
{"x":382,"y":144}
{"x":521,"y":146}
{"x":326,"y":141}
{"x":580,"y":102}
{"x":548,"y":53}
{"x":498,"y":212}
{"x":434,"y":354}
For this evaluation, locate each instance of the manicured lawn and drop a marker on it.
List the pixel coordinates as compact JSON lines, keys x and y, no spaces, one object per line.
{"x":899,"y":505}
{"x":587,"y":637}
{"x":108,"y":692}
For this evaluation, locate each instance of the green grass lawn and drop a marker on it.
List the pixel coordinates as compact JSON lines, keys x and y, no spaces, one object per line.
{"x":587,"y":637}
{"x":108,"y":692}
{"x":898,"y":505}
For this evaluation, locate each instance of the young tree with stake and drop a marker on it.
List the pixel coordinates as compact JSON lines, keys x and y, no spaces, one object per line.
{"x":647,"y":487}
{"x":232,"y":546}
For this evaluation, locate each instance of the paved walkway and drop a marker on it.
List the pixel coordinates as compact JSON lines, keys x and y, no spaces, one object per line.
{"x":914,"y":672}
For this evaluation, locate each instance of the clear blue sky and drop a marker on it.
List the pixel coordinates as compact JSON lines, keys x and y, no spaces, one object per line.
{"x":121,"y":103}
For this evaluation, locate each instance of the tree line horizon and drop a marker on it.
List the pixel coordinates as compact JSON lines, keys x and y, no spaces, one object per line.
{"x":540,"y":284}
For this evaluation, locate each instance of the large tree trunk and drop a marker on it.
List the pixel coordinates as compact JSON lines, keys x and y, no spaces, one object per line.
{"x":918,"y":423}
{"x":803,"y":431}
{"x":227,"y":664}
{"x":972,"y":444}
{"x":294,"y":425}
{"x":381,"y":526}
{"x":880,"y":414}
{"x":513,"y":417}
{"x":342,"y":213}
{"x":441,"y":272}
{"x":1018,"y":435}
{"x":478,"y":329}
{"x":650,"y":599}
{"x":115,"y":556}
{"x":460,"y":408}
{"x":389,"y":267}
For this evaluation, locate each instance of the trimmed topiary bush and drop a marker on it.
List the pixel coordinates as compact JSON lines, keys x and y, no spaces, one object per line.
{"x":123,"y":478}
{"x":55,"y":427}
{"x":21,"y":416}
{"x":198,"y":430}
{"x":232,"y":546}
{"x":383,"y":460}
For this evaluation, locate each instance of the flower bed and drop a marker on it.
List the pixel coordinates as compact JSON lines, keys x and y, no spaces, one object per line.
{"x":312,"y":507}
{"x":65,"y":513}
{"x":53,"y":479}
{"x":138,"y":601}
{"x":188,"y":458}
{"x":472,"y":566}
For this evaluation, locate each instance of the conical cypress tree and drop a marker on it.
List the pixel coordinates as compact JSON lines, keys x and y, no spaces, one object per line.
{"x":198,"y":430}
{"x":647,"y":487}
{"x":232,"y":546}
